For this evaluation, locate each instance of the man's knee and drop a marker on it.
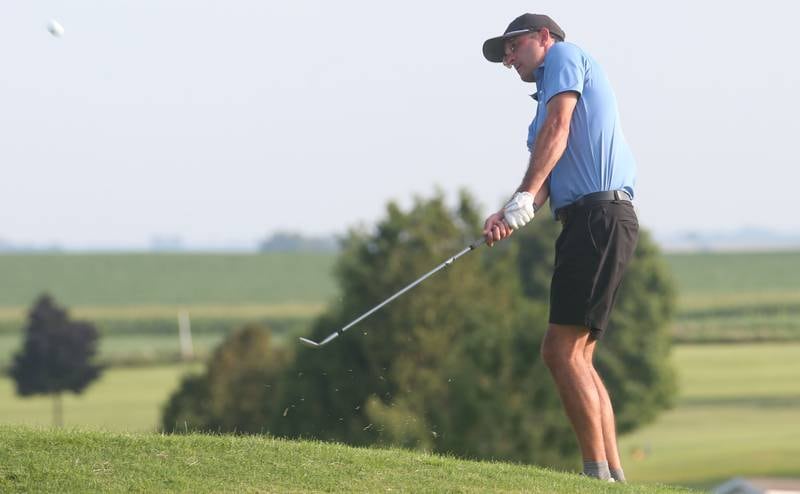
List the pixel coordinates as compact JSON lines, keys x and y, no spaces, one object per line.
{"x":552,"y":355}
{"x":563,"y":347}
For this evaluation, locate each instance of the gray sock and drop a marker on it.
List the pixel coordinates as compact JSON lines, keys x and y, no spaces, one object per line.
{"x":617,"y":474}
{"x":596,"y":469}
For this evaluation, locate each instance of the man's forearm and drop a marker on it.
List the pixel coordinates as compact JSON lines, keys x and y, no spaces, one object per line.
{"x":550,"y":145}
{"x":541,"y":196}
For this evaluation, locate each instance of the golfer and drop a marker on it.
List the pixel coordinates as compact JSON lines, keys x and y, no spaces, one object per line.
{"x":580,"y":160}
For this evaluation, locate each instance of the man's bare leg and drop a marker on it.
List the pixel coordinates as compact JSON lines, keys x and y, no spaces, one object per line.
{"x":563,"y":351}
{"x":609,"y":427}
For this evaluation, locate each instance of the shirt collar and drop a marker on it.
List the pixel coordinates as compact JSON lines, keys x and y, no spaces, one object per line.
{"x":538,"y":74}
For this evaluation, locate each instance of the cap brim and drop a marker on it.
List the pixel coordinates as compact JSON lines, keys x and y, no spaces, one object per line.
{"x":494,"y":49}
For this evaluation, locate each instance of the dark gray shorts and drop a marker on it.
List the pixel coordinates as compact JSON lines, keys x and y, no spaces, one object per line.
{"x":595,"y":245}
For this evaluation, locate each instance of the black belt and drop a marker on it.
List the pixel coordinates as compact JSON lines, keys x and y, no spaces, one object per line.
{"x":605,"y":195}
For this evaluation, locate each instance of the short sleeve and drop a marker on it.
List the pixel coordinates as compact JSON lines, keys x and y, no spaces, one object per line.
{"x":564,"y":70}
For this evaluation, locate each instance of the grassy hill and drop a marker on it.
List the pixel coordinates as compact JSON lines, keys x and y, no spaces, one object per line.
{"x":735,"y":414}
{"x":38,"y":460}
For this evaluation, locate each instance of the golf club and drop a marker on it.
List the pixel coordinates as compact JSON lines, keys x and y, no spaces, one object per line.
{"x":314,"y":344}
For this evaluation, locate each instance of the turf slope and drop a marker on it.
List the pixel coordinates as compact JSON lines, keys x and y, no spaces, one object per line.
{"x":46,"y":460}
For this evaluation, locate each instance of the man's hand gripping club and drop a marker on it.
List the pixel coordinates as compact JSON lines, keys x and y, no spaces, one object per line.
{"x":518,"y":212}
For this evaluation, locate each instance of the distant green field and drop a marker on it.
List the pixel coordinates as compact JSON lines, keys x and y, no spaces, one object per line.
{"x":123,"y":399}
{"x":151,"y":339}
{"x":722,"y":273}
{"x":224,"y":280}
{"x":134,"y":298}
{"x":737,"y":296}
{"x":737,"y":416}
{"x":166,"y":279}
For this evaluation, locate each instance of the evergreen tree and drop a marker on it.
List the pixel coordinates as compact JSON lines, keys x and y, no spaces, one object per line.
{"x":57,"y":355}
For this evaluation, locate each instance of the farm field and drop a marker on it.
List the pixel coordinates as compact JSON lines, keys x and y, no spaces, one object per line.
{"x":127,"y":284}
{"x":134,"y":299}
{"x":150,"y":279}
{"x":153,"y":336}
{"x":737,"y":296}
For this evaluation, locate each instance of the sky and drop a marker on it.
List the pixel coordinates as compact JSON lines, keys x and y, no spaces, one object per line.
{"x":217,"y":123}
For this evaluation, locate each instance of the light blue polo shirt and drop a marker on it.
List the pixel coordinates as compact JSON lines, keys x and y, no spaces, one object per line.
{"x":597,"y":157}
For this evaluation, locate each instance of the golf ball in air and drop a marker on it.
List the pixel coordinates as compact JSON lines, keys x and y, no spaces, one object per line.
{"x":55,"y":28}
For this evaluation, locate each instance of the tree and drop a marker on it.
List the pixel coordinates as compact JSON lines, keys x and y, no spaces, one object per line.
{"x":236,"y":392}
{"x":453,"y":366}
{"x":57,"y":355}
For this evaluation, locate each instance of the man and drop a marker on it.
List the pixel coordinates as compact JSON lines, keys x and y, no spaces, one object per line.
{"x":580,"y":160}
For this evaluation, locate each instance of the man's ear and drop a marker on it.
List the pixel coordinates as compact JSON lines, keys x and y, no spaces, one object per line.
{"x":544,"y":36}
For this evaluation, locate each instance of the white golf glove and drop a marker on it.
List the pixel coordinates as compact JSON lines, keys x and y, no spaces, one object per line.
{"x":519,"y":210}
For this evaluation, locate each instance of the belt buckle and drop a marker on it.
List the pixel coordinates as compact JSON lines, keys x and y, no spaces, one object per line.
{"x":621,"y":195}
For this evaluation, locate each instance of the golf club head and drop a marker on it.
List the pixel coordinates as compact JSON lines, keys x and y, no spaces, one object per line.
{"x":309,"y":343}
{"x":448,"y":262}
{"x":314,"y":344}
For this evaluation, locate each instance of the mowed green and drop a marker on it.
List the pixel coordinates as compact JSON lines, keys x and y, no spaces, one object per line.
{"x":737,"y":415}
{"x":80,"y":461}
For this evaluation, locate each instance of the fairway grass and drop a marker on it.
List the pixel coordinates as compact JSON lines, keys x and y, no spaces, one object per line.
{"x":737,"y":415}
{"x":123,"y":399}
{"x":42,"y":460}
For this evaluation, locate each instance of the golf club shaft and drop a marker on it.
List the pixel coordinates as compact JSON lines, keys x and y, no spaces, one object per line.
{"x":438,"y":268}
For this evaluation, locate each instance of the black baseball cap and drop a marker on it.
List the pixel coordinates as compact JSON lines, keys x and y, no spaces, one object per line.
{"x":494,"y":48}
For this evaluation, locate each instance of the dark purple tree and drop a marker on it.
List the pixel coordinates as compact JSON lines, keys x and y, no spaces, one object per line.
{"x":57,"y":356}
